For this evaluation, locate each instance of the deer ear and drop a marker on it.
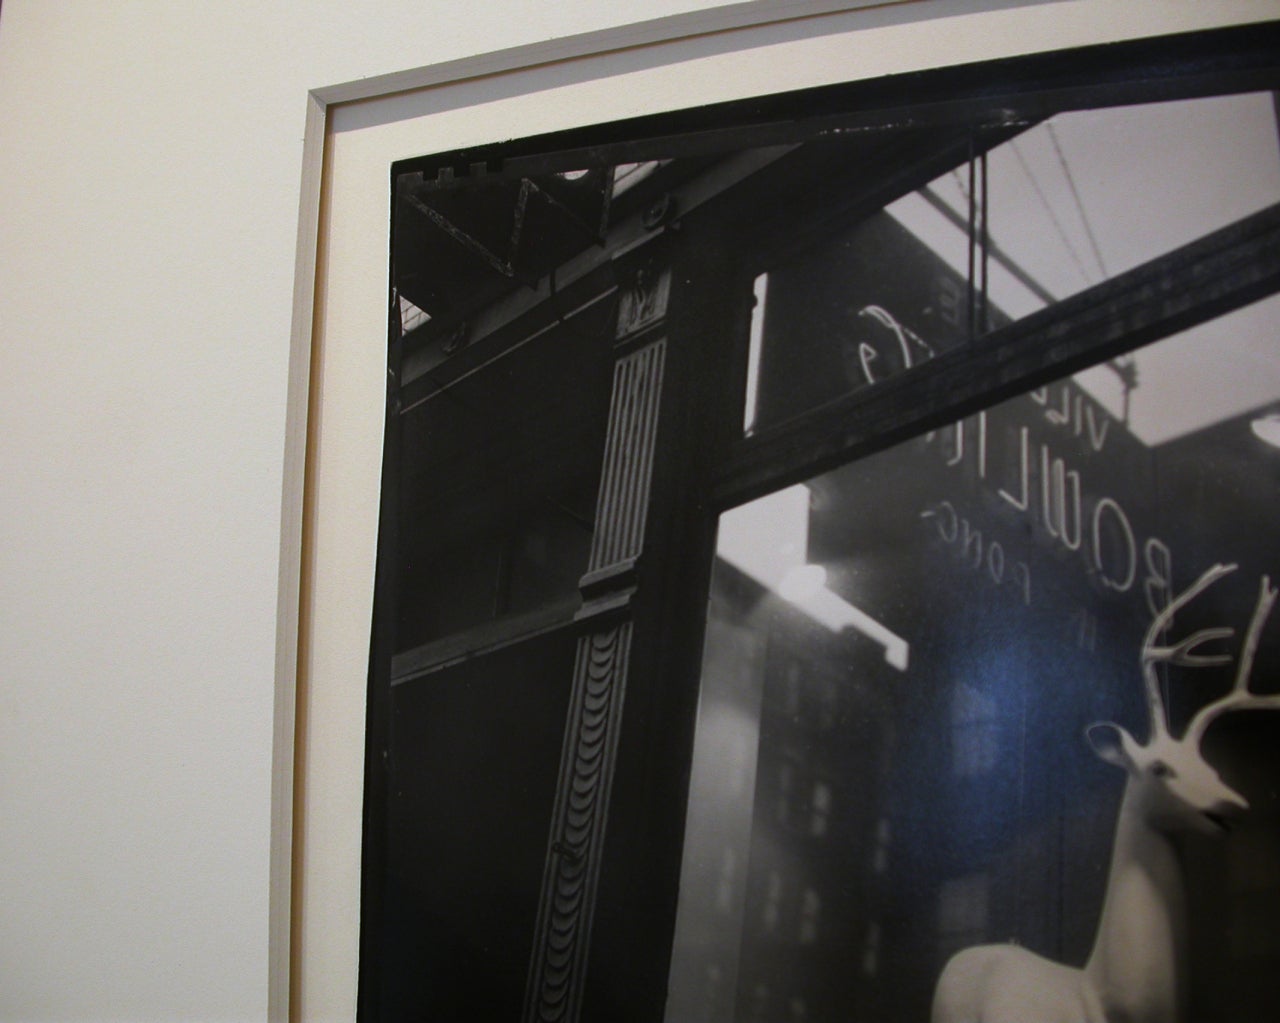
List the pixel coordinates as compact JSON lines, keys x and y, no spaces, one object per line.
{"x":1109,"y":741}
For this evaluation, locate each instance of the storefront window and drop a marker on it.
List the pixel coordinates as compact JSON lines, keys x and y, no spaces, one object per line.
{"x":776,"y":494}
{"x":903,"y":657}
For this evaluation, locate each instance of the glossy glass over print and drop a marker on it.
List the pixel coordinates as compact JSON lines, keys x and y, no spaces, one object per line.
{"x":956,"y":694}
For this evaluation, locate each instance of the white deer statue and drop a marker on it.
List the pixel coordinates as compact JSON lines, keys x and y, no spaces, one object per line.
{"x":1136,"y":970}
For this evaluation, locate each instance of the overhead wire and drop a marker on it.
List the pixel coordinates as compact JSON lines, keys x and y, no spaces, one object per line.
{"x":1075,"y":195}
{"x":1048,"y":206}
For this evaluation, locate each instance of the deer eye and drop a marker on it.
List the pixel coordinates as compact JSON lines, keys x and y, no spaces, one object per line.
{"x":1162,"y":770}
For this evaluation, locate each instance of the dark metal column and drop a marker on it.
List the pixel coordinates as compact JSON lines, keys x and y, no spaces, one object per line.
{"x":562,"y":936}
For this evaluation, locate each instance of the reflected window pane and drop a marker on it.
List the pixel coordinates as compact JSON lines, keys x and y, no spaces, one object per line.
{"x":902,"y":658}
{"x":1087,"y":195}
{"x":1049,"y":211}
{"x":860,"y":307}
{"x":465,"y":830}
{"x":498,"y":481}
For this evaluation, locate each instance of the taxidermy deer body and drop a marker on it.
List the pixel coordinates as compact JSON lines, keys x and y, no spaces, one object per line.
{"x":1136,"y":971}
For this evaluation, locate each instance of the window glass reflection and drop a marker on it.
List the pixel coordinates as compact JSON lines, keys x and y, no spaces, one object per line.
{"x":498,"y":481}
{"x":902,"y":658}
{"x":1051,"y":210}
{"x":1092,"y":194}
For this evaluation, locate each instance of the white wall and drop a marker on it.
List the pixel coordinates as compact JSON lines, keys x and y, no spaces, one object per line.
{"x":149,"y":166}
{"x":150,"y":155}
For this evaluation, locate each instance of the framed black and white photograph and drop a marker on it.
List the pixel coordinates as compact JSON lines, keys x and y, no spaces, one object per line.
{"x":826,"y":553}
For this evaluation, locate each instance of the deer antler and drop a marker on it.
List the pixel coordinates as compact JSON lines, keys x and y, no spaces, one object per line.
{"x":1240,"y":698}
{"x":1181,"y":653}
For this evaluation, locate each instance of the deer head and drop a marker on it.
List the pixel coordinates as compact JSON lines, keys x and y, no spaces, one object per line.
{"x":1171,"y":784}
